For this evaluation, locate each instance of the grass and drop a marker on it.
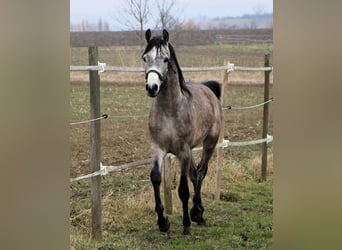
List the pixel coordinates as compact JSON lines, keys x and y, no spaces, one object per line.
{"x":243,"y":217}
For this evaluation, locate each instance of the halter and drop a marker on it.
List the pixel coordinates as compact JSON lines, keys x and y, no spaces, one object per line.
{"x":162,"y":78}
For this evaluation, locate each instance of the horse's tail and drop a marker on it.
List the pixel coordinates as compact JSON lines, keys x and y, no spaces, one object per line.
{"x":214,"y":86}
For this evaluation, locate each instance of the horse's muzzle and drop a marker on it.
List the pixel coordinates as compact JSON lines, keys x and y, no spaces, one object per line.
{"x":152,"y":89}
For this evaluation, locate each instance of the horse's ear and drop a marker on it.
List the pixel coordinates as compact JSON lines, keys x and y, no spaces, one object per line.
{"x":148,"y":35}
{"x":165,"y":36}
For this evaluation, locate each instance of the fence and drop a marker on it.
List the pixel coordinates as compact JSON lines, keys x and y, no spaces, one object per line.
{"x":95,"y":68}
{"x":180,"y":37}
{"x":243,"y":39}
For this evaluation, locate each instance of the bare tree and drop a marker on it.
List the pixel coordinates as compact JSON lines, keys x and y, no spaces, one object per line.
{"x":190,"y":25}
{"x":106,"y":26}
{"x":100,"y":25}
{"x":259,"y":9}
{"x":85,"y":25}
{"x":134,"y":15}
{"x":166,"y":19}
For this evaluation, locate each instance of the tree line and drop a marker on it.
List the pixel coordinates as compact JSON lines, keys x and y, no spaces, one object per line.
{"x":85,"y":25}
{"x":136,"y":15}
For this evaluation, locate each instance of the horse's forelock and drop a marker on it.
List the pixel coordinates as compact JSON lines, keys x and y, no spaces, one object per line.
{"x":156,"y":41}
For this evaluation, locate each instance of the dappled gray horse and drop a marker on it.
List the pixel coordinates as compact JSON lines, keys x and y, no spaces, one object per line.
{"x":182,"y":116}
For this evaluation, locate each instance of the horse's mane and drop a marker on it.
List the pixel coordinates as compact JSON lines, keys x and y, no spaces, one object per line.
{"x":158,"y":42}
{"x":179,"y":71}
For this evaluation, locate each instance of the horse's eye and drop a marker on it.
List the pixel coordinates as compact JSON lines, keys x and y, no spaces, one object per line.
{"x":144,"y":58}
{"x":166,"y":60}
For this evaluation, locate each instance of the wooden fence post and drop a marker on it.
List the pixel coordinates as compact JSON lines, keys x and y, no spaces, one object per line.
{"x":95,"y":142}
{"x":265,"y":119}
{"x":167,"y":184}
{"x":219,"y":163}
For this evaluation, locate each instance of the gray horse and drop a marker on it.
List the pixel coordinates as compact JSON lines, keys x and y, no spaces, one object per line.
{"x":182,"y":116}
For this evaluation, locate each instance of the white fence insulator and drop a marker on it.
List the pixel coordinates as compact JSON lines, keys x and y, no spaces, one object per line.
{"x":230,"y":67}
{"x":103,"y":169}
{"x":101,"y":67}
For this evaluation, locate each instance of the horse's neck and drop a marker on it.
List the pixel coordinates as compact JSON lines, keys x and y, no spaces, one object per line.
{"x":170,"y":96}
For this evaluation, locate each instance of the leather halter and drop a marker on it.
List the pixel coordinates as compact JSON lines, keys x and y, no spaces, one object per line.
{"x":162,"y":78}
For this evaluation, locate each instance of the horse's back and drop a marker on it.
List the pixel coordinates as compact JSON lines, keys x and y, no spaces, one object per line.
{"x":214,"y":86}
{"x":205,"y":94}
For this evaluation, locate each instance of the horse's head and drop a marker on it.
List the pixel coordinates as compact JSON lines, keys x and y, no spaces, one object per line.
{"x":156,"y":58}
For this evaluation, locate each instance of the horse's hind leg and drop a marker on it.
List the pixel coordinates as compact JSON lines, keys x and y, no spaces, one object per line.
{"x":193,"y":172}
{"x":157,"y":158}
{"x":197,"y":210}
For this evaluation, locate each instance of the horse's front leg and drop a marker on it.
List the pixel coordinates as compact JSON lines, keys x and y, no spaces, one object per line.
{"x":185,"y":158}
{"x":157,"y":158}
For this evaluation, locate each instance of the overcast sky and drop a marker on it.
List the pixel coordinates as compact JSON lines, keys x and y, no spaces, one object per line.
{"x":93,"y":10}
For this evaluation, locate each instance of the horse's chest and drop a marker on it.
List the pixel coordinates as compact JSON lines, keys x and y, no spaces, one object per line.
{"x":168,"y":131}
{"x":164,"y":127}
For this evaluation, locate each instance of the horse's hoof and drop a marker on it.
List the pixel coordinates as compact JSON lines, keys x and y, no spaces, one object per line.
{"x":197,"y":216}
{"x":201,"y":222}
{"x":186,"y":231}
{"x":164,"y":225}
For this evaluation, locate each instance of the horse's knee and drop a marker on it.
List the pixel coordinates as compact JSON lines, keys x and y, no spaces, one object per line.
{"x":183,"y":189}
{"x":155,"y":175}
{"x":202,"y":171}
{"x":193,"y":174}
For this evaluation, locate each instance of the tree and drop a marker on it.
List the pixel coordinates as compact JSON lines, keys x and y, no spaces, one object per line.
{"x":84,"y":25}
{"x":100,"y":25}
{"x":134,"y":15}
{"x":190,"y":25}
{"x":166,"y":19}
{"x":259,"y":9}
{"x":106,"y":26}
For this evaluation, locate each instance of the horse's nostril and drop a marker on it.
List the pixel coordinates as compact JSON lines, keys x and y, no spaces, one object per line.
{"x":154,"y":87}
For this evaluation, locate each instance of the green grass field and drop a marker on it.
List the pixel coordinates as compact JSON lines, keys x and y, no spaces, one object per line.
{"x":243,"y":217}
